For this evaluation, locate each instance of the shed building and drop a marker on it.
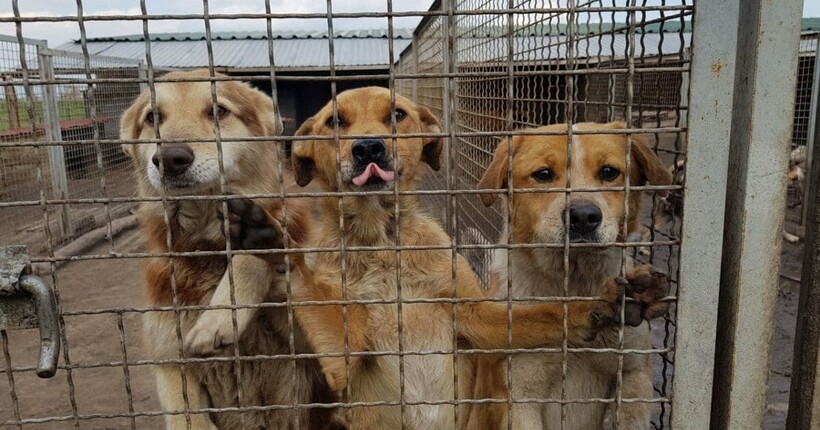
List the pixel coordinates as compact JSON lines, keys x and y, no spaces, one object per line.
{"x":301,"y":60}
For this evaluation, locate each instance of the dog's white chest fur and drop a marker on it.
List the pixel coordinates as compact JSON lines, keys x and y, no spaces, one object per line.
{"x":589,"y":376}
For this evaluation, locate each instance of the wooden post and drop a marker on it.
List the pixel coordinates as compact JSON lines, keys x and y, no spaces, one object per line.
{"x":12,"y":108}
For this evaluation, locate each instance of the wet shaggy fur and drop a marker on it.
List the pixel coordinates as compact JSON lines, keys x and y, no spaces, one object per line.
{"x":538,"y":218}
{"x":185,"y":110}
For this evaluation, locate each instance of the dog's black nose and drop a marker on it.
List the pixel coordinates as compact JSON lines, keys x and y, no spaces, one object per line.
{"x":367,"y":151}
{"x":584,"y":217}
{"x":176,"y":158}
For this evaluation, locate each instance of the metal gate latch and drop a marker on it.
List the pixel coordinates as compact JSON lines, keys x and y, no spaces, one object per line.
{"x":27,"y":302}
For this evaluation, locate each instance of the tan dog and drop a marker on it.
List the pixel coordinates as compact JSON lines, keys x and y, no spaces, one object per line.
{"x":185,"y":110}
{"x":594,"y":217}
{"x":373,"y":373}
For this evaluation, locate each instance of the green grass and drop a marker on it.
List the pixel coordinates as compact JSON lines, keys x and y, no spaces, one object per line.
{"x":69,"y":109}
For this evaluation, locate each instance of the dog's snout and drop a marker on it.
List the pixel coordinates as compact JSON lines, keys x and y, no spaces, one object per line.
{"x":176,"y":158}
{"x":368,"y":151}
{"x":584,"y":217}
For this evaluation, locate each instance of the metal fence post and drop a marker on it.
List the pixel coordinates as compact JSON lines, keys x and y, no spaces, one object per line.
{"x":415,"y":52}
{"x":51,"y":117}
{"x":762,"y":114}
{"x":684,"y":88}
{"x":142,"y":72}
{"x":804,"y":398}
{"x":711,"y":90}
{"x":811,"y":137}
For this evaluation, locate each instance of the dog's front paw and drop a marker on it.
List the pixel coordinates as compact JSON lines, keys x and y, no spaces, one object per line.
{"x":647,"y":287}
{"x":335,"y":373}
{"x":252,"y":227}
{"x":211,"y":334}
{"x":606,"y":312}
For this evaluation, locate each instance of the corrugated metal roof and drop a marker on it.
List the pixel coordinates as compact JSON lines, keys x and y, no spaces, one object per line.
{"x":381,"y":33}
{"x":298,"y":51}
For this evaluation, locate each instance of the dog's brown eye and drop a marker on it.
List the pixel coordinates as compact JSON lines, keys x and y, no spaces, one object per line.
{"x":149,"y":118}
{"x":543,"y":175}
{"x":335,"y":122}
{"x":221,"y":112}
{"x":400,"y":115}
{"x":609,"y":173}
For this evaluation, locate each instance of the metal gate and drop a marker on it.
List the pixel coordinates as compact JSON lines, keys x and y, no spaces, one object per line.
{"x":709,"y":85}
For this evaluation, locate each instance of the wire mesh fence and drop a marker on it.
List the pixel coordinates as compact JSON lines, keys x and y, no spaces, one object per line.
{"x":488,"y":71}
{"x":81,"y":118}
{"x":804,"y":104}
{"x":549,"y":68}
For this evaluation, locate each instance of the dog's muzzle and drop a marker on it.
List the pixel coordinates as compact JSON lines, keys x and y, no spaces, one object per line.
{"x":370,"y":163}
{"x":584,"y":220}
{"x":176,"y":159}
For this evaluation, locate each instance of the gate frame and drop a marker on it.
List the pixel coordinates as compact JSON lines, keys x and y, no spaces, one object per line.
{"x":760,"y":141}
{"x":709,"y":120}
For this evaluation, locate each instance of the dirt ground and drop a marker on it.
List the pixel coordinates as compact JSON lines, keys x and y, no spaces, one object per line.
{"x":86,"y":285}
{"x":785,"y":320}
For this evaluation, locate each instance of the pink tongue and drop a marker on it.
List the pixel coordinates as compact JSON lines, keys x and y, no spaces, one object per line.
{"x":370,"y":170}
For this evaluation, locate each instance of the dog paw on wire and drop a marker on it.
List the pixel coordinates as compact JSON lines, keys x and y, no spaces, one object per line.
{"x":645,"y":287}
{"x":249,"y":227}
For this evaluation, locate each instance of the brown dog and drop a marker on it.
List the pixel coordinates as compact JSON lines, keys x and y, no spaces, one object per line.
{"x":431,"y":324}
{"x":185,"y":110}
{"x":598,"y":160}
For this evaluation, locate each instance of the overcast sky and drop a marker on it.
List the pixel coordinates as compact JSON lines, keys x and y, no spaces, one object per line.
{"x":61,"y":32}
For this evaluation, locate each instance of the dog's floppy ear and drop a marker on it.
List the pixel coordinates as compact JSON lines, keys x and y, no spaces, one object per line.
{"x":650,"y":166}
{"x":495,"y":177}
{"x":130,"y":124}
{"x":431,"y":153}
{"x":303,"y":163}
{"x":268,"y":116}
{"x":257,"y":110}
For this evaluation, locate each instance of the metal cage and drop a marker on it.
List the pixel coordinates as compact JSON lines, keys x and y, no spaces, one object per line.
{"x":489,"y":70}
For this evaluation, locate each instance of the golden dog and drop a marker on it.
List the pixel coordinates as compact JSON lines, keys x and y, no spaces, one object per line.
{"x":185,"y":111}
{"x":429,"y":330}
{"x":598,"y":160}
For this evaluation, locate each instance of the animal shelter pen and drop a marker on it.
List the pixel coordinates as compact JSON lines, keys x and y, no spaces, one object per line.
{"x":705,"y":81}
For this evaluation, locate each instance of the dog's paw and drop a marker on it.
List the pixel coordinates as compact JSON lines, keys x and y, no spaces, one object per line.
{"x":211,"y":334}
{"x":606,"y":312}
{"x":644,"y":285}
{"x":335,"y":375}
{"x":647,"y":287}
{"x":251,"y":227}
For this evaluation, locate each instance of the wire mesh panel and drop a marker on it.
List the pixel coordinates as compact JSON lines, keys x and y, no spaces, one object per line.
{"x":610,"y":78}
{"x":81,"y":116}
{"x":803,"y":106}
{"x":571,"y":63}
{"x":25,"y":169}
